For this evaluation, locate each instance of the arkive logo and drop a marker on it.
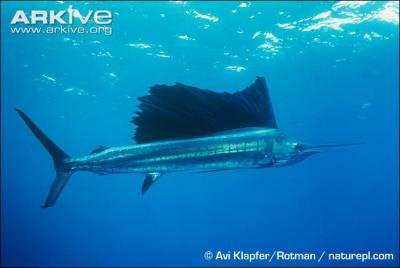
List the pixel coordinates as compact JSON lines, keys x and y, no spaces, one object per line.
{"x":69,"y":16}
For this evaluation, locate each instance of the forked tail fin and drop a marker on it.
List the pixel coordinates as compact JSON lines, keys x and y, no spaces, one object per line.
{"x":58,"y":155}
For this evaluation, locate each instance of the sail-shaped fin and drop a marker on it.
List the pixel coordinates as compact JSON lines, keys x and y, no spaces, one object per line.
{"x":180,"y":111}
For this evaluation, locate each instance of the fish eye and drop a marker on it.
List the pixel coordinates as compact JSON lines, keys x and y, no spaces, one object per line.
{"x":299,"y":148}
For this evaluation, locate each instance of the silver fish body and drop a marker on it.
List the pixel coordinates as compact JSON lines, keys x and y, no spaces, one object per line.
{"x":243,"y":148}
{"x":168,"y":118}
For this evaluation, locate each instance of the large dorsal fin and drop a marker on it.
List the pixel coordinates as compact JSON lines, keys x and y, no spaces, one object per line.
{"x":180,"y":111}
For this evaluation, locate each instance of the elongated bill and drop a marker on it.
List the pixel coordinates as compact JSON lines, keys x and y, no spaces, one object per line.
{"x":318,"y":148}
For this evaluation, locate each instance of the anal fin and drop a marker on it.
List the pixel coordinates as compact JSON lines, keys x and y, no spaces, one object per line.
{"x":149,"y":180}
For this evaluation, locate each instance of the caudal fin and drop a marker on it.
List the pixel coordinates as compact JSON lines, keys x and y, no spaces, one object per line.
{"x":58,"y":155}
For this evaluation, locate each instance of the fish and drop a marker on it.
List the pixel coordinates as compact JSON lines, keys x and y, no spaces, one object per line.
{"x":184,"y":128}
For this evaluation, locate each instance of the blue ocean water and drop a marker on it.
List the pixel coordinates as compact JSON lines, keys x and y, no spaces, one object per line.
{"x":332,"y":72}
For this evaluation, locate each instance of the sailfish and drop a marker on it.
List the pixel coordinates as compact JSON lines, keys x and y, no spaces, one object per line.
{"x":184,"y":128}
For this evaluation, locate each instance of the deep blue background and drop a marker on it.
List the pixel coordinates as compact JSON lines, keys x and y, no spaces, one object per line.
{"x":340,"y":87}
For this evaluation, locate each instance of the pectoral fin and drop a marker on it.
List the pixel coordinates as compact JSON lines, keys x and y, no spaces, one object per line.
{"x":215,"y":170}
{"x":149,"y":180}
